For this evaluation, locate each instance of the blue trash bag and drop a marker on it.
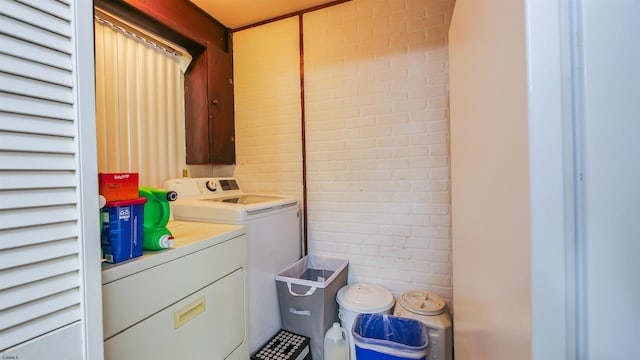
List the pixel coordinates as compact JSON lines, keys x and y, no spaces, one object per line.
{"x":388,"y":337}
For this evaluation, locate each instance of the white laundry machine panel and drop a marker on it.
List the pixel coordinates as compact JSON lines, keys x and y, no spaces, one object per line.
{"x":272,"y":223}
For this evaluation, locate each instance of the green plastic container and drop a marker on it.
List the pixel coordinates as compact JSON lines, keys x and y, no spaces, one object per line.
{"x":156,"y":210}
{"x":156,"y":217}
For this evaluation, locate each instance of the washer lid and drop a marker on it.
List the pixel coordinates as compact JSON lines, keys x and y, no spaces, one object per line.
{"x":365,"y":298}
{"x":247,"y":199}
{"x":422,"y":302}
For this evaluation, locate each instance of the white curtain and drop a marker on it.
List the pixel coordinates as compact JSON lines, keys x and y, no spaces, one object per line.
{"x":139,"y":107}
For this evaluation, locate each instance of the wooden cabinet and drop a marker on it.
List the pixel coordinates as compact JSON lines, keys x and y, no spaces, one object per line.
{"x":221,"y":115}
{"x":209,"y":114}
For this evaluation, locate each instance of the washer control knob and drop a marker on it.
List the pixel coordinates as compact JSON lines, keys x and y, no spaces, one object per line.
{"x":211,"y":185}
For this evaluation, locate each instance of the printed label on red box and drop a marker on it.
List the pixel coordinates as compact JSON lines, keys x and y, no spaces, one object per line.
{"x":118,"y":186}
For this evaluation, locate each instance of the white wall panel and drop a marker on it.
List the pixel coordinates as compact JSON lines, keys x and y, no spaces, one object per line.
{"x":608,"y":240}
{"x":491,"y":229}
{"x":267,"y":108}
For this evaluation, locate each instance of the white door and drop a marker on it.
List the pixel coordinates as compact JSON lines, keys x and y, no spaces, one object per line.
{"x":609,"y":189}
{"x":50,"y":303}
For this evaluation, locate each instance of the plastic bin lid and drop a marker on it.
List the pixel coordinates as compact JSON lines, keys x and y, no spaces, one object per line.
{"x":365,"y":298}
{"x":422,"y":302}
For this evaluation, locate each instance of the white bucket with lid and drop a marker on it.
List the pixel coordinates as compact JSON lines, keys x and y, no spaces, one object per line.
{"x":361,"y":299}
{"x":431,"y":310}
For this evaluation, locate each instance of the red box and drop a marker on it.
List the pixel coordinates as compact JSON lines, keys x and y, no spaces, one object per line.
{"x":118,"y":186}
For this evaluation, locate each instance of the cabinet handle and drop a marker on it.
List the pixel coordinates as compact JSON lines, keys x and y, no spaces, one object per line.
{"x":300,"y":312}
{"x":214,"y":101}
{"x":189,"y":312}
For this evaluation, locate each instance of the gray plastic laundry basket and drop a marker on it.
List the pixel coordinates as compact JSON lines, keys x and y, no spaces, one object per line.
{"x":307,"y":295}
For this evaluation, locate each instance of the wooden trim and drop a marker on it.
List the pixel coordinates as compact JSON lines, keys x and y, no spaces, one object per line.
{"x":304,"y":142}
{"x":149,"y":23}
{"x":186,"y":18}
{"x":295,"y":13}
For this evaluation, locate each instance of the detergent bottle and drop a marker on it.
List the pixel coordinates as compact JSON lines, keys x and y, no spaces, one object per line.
{"x":156,"y":216}
{"x":156,"y":210}
{"x":157,"y":238}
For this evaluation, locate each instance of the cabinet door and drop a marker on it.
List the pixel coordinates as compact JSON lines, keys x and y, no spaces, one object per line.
{"x":221,"y":126}
{"x":49,"y":251}
{"x":197,"y":112}
{"x":209,"y":117}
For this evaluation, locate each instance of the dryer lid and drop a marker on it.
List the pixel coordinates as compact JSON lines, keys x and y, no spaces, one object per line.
{"x":422,"y":302}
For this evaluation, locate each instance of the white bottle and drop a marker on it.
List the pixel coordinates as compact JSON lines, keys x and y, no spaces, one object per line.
{"x":336,"y":343}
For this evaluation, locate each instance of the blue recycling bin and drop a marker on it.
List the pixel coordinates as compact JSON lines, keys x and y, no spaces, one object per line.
{"x":388,"y":337}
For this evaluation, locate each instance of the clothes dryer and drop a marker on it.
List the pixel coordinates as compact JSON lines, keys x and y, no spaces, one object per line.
{"x":273,"y":233}
{"x":186,"y":302}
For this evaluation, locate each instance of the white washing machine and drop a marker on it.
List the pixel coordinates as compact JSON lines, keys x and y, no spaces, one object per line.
{"x":273,"y":233}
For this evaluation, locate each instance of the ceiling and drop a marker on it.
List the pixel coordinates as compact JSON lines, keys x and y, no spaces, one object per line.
{"x":238,"y":13}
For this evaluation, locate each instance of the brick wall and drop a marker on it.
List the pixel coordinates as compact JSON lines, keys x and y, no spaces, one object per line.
{"x":376,"y":87}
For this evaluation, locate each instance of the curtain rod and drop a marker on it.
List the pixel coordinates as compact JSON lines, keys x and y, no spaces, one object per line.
{"x":148,"y":39}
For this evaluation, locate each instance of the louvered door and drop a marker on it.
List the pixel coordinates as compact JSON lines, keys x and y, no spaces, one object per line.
{"x":49,"y":247}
